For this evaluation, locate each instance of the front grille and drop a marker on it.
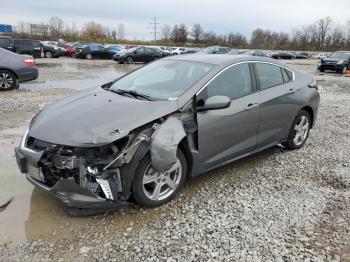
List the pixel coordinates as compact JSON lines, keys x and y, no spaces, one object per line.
{"x":37,"y":145}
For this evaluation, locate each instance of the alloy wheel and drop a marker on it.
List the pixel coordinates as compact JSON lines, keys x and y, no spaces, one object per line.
{"x":130,"y":60}
{"x":6,"y":81}
{"x":301,"y":130}
{"x":158,"y":186}
{"x":48,"y":54}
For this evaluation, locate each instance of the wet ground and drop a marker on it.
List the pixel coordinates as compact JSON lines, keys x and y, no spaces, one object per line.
{"x":34,"y":215}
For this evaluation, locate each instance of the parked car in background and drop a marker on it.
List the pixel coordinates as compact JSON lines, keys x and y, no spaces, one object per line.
{"x":230,"y":107}
{"x":94,"y":51}
{"x":163,"y":50}
{"x":81,"y":43}
{"x":257,"y":53}
{"x":141,"y":54}
{"x":115,"y":49}
{"x":282,"y":55}
{"x":322,"y":55}
{"x":338,"y":61}
{"x":216,"y":50}
{"x":50,"y":50}
{"x":28,"y":47}
{"x":15,"y":68}
{"x":233,"y":51}
{"x":69,"y":49}
{"x":6,"y":42}
{"x":177,"y":50}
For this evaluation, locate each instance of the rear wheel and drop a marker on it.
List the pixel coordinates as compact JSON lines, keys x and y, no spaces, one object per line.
{"x":299,"y":131}
{"x":129,"y":60}
{"x":8,"y":81}
{"x":152,"y":188}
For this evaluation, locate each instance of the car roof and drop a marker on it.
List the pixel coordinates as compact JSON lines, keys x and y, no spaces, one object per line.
{"x":219,"y":59}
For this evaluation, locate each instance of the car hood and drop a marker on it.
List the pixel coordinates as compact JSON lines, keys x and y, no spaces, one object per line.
{"x":332,"y":59}
{"x":95,"y":117}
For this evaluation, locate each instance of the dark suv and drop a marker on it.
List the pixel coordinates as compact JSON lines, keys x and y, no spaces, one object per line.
{"x":27,"y":47}
{"x":35,"y":48}
{"x":6,"y":42}
{"x":338,"y":61}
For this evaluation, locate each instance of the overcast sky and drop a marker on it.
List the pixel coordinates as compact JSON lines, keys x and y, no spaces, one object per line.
{"x":217,"y":15}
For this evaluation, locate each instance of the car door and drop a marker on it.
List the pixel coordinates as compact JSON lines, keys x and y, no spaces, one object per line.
{"x":140,"y":55}
{"x":36,"y":47}
{"x":277,"y":102}
{"x":228,"y":133}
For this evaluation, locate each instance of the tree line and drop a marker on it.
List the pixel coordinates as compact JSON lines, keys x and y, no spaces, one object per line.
{"x":322,"y":35}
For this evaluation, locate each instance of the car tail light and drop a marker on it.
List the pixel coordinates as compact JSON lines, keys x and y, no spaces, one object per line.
{"x":29,"y":62}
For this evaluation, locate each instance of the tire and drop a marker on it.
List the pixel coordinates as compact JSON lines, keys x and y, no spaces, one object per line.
{"x":300,"y":129}
{"x":156,"y":58}
{"x":48,"y":54}
{"x":88,"y":56}
{"x":143,"y":190}
{"x":8,"y":81}
{"x":129,"y":60}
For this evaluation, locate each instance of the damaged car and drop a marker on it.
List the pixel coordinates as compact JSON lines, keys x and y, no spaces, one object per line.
{"x":139,"y":137}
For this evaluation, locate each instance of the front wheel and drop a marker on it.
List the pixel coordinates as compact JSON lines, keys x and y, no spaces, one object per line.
{"x":299,"y":131}
{"x":152,"y":188}
{"x":48,"y":54}
{"x":88,"y":56}
{"x":8,"y":81}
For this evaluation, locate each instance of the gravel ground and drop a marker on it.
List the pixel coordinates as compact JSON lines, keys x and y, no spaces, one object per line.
{"x":278,"y":205}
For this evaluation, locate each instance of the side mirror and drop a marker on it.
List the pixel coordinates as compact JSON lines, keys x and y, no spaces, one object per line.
{"x":215,"y":102}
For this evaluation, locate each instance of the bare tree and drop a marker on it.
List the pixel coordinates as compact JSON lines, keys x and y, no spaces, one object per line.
{"x":324,"y":26}
{"x":197,"y":32}
{"x":121,"y":31}
{"x":165,"y":32}
{"x":92,"y":30}
{"x":23,"y":29}
{"x":56,"y":26}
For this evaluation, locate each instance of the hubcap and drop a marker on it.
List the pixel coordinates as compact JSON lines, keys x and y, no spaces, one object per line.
{"x":130,"y":60}
{"x":301,"y":130}
{"x":6,"y":80}
{"x":158,"y":186}
{"x":48,"y":54}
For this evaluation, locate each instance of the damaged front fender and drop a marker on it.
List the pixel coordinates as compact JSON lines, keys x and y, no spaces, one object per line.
{"x":164,"y":143}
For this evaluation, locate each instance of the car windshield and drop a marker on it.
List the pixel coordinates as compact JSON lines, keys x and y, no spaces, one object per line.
{"x":164,"y":79}
{"x":340,"y":55}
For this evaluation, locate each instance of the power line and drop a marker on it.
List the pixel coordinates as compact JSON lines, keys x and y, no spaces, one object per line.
{"x":154,"y":28}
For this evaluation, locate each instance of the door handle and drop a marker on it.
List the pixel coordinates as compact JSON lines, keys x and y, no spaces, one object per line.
{"x":251,"y":106}
{"x":291,"y":91}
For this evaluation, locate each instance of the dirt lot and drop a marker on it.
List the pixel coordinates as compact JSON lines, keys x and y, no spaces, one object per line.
{"x":277,"y":205}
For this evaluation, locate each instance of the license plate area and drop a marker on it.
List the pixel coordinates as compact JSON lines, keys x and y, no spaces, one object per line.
{"x":35,"y":172}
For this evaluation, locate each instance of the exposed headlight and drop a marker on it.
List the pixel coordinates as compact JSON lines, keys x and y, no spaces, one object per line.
{"x":340,"y":62}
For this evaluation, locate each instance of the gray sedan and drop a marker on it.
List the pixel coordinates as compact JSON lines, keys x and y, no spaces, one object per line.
{"x":143,"y":134}
{"x":14,"y":69}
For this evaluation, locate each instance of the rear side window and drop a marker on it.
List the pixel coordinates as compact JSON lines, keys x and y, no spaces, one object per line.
{"x":234,"y":82}
{"x":269,"y":75}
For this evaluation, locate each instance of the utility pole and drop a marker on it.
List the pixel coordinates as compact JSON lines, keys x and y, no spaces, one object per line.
{"x":154,"y":25}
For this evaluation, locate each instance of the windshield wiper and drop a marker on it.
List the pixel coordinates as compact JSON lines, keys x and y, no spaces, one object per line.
{"x":132,"y":93}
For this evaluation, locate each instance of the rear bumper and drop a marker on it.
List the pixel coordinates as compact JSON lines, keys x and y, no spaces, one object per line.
{"x":28,"y":75}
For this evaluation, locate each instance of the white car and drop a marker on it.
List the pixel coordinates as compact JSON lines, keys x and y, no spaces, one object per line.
{"x":177,"y":50}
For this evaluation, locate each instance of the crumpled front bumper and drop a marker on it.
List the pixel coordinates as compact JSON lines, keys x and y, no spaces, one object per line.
{"x":66,"y":190}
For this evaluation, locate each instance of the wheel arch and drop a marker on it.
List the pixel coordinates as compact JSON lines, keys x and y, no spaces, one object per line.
{"x":184,"y":147}
{"x":11,"y":71}
{"x":311,"y":113}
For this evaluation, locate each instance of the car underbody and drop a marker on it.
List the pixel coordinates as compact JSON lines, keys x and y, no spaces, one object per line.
{"x":95,"y":179}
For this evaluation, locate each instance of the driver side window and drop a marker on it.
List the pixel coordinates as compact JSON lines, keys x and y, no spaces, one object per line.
{"x":234,"y":82}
